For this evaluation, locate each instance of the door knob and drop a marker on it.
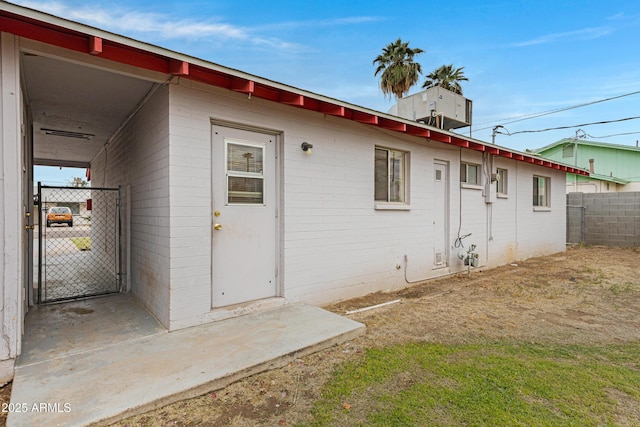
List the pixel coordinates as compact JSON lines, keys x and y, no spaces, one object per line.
{"x":217,"y":227}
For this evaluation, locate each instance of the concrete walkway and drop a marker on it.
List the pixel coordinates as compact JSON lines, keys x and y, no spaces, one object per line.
{"x":132,"y":371}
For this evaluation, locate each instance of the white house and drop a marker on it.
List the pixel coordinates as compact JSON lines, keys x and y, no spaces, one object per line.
{"x":222,"y":209}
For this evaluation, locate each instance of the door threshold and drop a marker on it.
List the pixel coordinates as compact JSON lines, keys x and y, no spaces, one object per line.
{"x":235,"y":310}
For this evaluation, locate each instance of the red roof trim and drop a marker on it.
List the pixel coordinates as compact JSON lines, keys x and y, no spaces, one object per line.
{"x":476,"y":146}
{"x":179,"y":68}
{"x":242,"y":85}
{"x":362,"y":117}
{"x":291,"y":98}
{"x":416,"y":131}
{"x":331,"y":109}
{"x":71,"y":39}
{"x":383,"y":122}
{"x":95,"y":45}
{"x":450,"y":139}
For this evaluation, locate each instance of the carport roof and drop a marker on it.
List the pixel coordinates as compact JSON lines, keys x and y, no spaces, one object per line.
{"x":56,"y":31}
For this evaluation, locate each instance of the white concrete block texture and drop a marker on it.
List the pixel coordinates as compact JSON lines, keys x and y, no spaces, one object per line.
{"x":335,"y":241}
{"x":12,"y":235}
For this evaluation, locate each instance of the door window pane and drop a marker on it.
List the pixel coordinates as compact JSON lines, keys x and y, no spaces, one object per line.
{"x":245,"y":174}
{"x":245,"y":190}
{"x":244,"y":158}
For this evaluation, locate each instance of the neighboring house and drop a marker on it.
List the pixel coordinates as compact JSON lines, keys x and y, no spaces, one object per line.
{"x":612,"y":167}
{"x":76,"y":200}
{"x":224,"y":207}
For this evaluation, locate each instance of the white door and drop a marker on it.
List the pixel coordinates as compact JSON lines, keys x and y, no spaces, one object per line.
{"x":244,"y":223}
{"x":440,"y":214}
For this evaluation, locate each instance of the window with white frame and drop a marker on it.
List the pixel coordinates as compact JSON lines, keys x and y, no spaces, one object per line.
{"x":501,"y":181}
{"x":470,"y":173}
{"x":541,"y":191}
{"x":390,"y":175}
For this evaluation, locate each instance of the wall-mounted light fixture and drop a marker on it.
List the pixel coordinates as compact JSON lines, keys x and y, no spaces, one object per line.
{"x":306,"y":147}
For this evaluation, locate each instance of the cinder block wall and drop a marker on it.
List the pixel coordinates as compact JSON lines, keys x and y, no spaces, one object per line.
{"x":611,"y":219}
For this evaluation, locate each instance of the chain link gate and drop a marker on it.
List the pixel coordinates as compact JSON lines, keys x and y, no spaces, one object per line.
{"x":78,"y":242}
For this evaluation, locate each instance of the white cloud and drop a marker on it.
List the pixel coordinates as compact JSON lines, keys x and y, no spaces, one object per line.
{"x":584,"y":34}
{"x":157,"y":25}
{"x":350,"y":20}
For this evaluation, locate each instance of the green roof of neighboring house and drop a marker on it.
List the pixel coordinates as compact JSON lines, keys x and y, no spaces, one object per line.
{"x":584,"y":142}
{"x":615,"y":163}
{"x":608,"y":178}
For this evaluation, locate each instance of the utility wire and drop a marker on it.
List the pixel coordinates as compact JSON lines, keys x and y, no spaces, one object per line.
{"x":570,"y":127}
{"x":558,"y":110}
{"x":615,"y":134}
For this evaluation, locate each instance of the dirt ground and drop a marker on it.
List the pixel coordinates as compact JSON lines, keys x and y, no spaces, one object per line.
{"x":587,"y":295}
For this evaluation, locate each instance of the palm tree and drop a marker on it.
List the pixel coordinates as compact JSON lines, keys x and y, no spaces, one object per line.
{"x":446,"y":77}
{"x":398,"y":70}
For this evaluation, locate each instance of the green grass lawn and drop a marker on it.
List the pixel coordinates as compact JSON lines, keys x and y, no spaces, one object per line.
{"x":492,"y":384}
{"x":82,"y":243}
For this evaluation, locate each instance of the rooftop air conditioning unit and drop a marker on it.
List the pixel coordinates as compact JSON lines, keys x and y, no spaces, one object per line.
{"x":437,"y":107}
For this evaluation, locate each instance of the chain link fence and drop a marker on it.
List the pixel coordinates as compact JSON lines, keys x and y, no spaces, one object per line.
{"x":78,"y":242}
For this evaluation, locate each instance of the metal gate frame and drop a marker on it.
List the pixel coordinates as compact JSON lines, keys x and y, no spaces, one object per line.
{"x":117,"y":259}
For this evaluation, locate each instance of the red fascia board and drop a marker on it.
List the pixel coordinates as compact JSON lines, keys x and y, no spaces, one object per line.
{"x":95,"y":45}
{"x":179,"y":68}
{"x":418,"y":131}
{"x":476,"y":146}
{"x":266,"y":92}
{"x":436,"y":136}
{"x":362,"y":117}
{"x":135,"y":57}
{"x":391,"y":124}
{"x":291,"y":98}
{"x":80,"y":42}
{"x":42,"y":32}
{"x":331,"y":109}
{"x":242,"y":85}
{"x":210,"y":77}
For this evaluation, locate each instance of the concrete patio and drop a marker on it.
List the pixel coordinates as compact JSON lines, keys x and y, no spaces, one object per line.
{"x":98,"y":360}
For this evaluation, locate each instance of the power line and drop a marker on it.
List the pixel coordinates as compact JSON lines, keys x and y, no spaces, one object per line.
{"x":615,"y":134}
{"x":574,"y":126}
{"x":558,"y":110}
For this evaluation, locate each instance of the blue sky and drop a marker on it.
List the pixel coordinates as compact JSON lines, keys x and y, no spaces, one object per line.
{"x":521,"y":57}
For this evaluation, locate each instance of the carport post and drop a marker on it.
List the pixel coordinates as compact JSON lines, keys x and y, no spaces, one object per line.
{"x":40,"y":242}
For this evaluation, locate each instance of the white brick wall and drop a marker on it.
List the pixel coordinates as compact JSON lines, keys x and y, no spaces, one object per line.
{"x":139,"y":157}
{"x":11,"y":207}
{"x":335,"y":245}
